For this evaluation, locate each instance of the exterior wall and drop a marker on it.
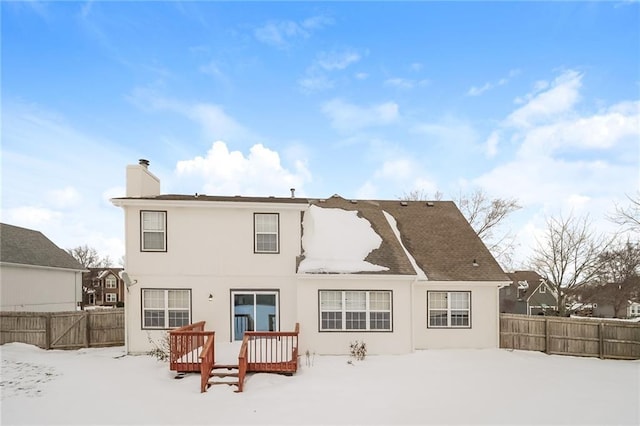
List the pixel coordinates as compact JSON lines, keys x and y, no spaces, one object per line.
{"x":217,"y":313}
{"x":397,"y":341}
{"x":210,"y":250}
{"x":38,"y":289}
{"x":538,"y":300}
{"x":485,"y":326}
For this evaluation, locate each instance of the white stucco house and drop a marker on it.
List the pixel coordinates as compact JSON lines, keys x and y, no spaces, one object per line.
{"x":35,"y":274}
{"x":397,"y":275}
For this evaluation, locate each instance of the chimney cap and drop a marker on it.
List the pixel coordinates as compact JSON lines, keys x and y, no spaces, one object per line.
{"x":143,"y":162}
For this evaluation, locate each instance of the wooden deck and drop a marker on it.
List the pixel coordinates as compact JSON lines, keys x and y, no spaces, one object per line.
{"x":193,"y":350}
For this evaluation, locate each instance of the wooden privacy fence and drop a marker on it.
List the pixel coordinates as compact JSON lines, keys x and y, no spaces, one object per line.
{"x":64,"y":330}
{"x":592,"y":337}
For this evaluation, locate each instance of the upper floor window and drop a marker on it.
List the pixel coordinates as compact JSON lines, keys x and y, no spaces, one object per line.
{"x":111,"y":282}
{"x":355,"y":310}
{"x":543,"y":289}
{"x":266,"y":228}
{"x":449,"y":309}
{"x":153,"y":229}
{"x":165,"y":308}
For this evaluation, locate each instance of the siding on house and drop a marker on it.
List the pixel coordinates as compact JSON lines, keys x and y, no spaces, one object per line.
{"x":36,"y":274}
{"x":210,"y":252}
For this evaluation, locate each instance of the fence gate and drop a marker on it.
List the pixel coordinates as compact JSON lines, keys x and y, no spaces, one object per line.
{"x":64,"y":330}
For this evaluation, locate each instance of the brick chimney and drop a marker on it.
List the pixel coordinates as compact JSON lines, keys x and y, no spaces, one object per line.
{"x":140,"y":181}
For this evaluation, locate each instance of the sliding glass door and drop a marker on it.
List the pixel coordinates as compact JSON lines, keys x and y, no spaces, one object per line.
{"x":253,"y":311}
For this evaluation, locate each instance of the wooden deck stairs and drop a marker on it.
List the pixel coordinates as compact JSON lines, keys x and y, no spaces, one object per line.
{"x":225,"y":374}
{"x":192,"y":349}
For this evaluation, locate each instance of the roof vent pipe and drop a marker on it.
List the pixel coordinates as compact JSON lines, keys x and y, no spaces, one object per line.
{"x":293,"y":192}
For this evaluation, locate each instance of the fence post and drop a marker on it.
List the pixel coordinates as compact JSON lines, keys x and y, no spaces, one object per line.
{"x":547,"y":336}
{"x":87,"y":330}
{"x":601,"y":343}
{"x":47,"y":331}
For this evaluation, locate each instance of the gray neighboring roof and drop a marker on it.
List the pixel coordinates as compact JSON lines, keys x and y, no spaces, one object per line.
{"x":436,"y":234}
{"x":28,"y":247}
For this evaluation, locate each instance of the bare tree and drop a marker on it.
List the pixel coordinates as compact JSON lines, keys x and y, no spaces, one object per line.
{"x":568,"y":255}
{"x":485,"y":216}
{"x":89,"y":257}
{"x":629,"y":216}
{"x":421,"y":195}
{"x":618,"y":278}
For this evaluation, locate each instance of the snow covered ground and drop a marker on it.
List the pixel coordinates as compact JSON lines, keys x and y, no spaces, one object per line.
{"x":104,"y":386}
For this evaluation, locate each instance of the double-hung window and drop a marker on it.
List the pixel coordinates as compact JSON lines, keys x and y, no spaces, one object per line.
{"x":165,"y":308}
{"x":110,"y":282}
{"x":342,"y":310}
{"x":111,"y":297}
{"x":266,"y":227}
{"x":153,"y":230}
{"x":449,"y":309}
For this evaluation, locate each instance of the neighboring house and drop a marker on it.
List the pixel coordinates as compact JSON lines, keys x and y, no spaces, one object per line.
{"x":399,"y":275}
{"x":608,"y":300}
{"x":103,"y":287}
{"x":633,"y":309}
{"x":528,"y":294}
{"x":35,"y":274}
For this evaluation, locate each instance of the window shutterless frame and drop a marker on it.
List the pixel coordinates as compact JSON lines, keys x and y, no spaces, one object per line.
{"x":449,"y":309}
{"x":163,"y":312}
{"x":355,"y":311}
{"x":153,"y":230}
{"x":266,"y":233}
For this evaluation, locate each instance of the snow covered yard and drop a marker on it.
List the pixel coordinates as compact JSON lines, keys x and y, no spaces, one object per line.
{"x":103,"y":386}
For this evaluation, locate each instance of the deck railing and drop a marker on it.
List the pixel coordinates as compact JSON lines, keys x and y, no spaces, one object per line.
{"x":243,"y":361}
{"x":186,"y":345}
{"x":207,"y":359}
{"x":268,"y":352}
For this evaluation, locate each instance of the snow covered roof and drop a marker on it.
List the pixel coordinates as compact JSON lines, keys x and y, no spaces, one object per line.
{"x":337,"y":241}
{"x":436,"y":241}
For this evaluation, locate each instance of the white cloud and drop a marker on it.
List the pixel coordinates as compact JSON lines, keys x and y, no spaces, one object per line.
{"x":604,"y":130}
{"x":398,"y":169}
{"x":560,"y":98}
{"x":477,"y":91}
{"x":406,"y":83}
{"x":30,"y":217}
{"x":400,"y":83}
{"x":337,"y":60}
{"x":224,"y":172}
{"x":362,"y":75}
{"x":367,"y":191}
{"x":281,"y":34}
{"x":315,"y":83}
{"x":350,"y":117}
{"x":64,"y":198}
{"x":492,"y":144}
{"x":316,"y":76}
{"x":213,"y":119}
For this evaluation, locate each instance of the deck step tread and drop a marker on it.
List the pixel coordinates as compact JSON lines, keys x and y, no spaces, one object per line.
{"x":222,"y":375}
{"x":227,"y":366}
{"x":213,"y":382}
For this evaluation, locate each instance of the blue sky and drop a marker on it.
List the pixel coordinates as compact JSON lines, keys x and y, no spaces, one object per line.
{"x":537,"y":101}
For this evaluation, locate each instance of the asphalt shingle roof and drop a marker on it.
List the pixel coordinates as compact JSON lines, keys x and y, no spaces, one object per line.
{"x":436,"y":234}
{"x":28,"y":247}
